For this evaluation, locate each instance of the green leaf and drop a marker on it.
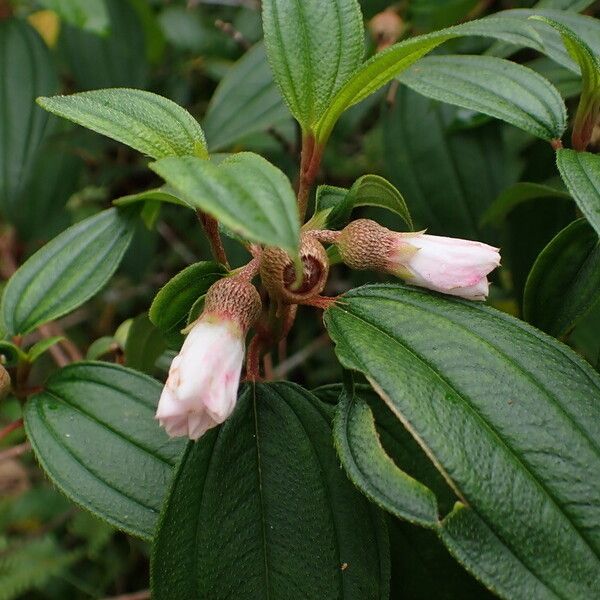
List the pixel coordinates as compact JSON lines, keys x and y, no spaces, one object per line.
{"x":245,"y":192}
{"x":10,"y":354}
{"x":373,"y":471}
{"x":246,"y":101}
{"x":492,"y":86}
{"x":86,"y":14}
{"x":259,"y":508}
{"x":26,"y":71}
{"x":588,"y":111}
{"x":510,"y":416}
{"x":581,"y":173}
{"x":145,"y":121}
{"x":93,"y":431}
{"x":314,"y":47}
{"x":145,"y":343}
{"x":171,"y":306}
{"x":370,"y":190}
{"x":448,"y":177}
{"x":161,"y":194}
{"x":564,"y":283}
{"x":66,"y":272}
{"x":123,"y":51}
{"x":386,"y":65}
{"x":42,"y":347}
{"x":514,"y":196}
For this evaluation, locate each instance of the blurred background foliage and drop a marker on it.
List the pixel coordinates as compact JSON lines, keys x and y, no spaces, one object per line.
{"x":450,"y":164}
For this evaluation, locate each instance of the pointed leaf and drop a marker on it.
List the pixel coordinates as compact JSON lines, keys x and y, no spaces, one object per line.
{"x":94,"y":433}
{"x":145,"y":121}
{"x":314,"y":47}
{"x":66,"y":272}
{"x":492,"y":86}
{"x":174,"y":301}
{"x":373,"y":471}
{"x":259,"y":508}
{"x":26,"y":71}
{"x":245,"y":192}
{"x":246,"y":101}
{"x":510,"y":416}
{"x":564,"y":283}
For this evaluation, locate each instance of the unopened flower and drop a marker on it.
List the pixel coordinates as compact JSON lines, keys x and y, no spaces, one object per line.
{"x":201,"y":389}
{"x":448,"y":265}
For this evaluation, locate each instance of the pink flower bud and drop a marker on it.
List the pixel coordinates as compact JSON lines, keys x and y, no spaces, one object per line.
{"x":449,"y":265}
{"x":201,"y":389}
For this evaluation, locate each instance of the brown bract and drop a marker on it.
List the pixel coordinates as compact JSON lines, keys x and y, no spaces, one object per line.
{"x":278,"y":272}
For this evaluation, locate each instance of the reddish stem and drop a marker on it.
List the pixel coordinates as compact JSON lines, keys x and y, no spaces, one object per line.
{"x":253,"y":358}
{"x":10,"y":428}
{"x":211,"y":228}
{"x":309,"y":167}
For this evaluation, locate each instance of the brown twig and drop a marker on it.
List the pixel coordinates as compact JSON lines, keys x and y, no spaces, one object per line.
{"x":6,"y":431}
{"x":211,"y":228}
{"x":229,"y":30}
{"x":141,"y":595}
{"x":15,"y":451}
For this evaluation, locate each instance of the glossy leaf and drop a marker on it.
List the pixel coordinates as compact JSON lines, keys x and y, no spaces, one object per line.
{"x":564,"y":283}
{"x":373,"y":471}
{"x":259,"y":508}
{"x":66,"y":272}
{"x":245,"y":192}
{"x":86,"y":14}
{"x":171,"y":306}
{"x":581,"y":173}
{"x":246,"y":101}
{"x":508,"y":415}
{"x":26,"y":71}
{"x":447,"y":177}
{"x":492,"y":86}
{"x":145,"y":121}
{"x":314,"y":47}
{"x":93,"y":431}
{"x":518,"y":194}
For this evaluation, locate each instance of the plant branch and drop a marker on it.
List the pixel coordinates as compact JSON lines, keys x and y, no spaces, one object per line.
{"x":211,"y":228}
{"x":309,"y":167}
{"x":6,"y":431}
{"x":15,"y":451}
{"x":229,"y":30}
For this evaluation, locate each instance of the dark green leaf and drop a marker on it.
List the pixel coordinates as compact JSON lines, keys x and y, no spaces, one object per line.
{"x":42,"y":346}
{"x":145,"y":121}
{"x":93,"y":431}
{"x":86,"y":14}
{"x":145,"y":343}
{"x":581,"y":173}
{"x":117,"y":59}
{"x":510,"y":416}
{"x":245,"y":102}
{"x":447,"y":177}
{"x":373,"y":471}
{"x":518,"y":194}
{"x":26,"y":71}
{"x":564,"y":282}
{"x":260,"y":509}
{"x":314,"y":47}
{"x":161,"y":194}
{"x":171,"y":306}
{"x":66,"y":272}
{"x":245,"y":192}
{"x":492,"y":86}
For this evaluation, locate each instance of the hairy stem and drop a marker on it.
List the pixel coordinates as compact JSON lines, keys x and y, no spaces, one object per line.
{"x":211,"y":228}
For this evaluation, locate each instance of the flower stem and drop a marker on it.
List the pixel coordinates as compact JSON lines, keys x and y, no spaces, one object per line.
{"x":309,"y":167}
{"x":211,"y":228}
